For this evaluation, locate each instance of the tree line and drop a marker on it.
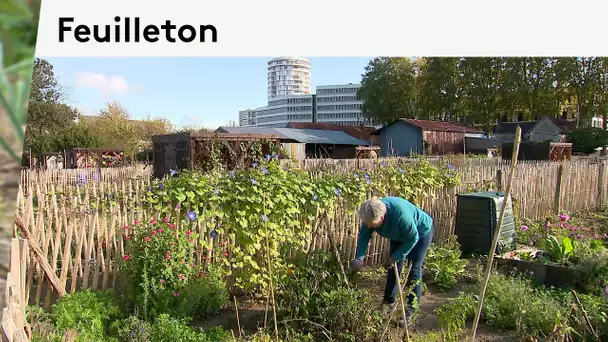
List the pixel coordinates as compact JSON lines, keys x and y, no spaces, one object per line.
{"x":54,"y":126}
{"x":484,"y":90}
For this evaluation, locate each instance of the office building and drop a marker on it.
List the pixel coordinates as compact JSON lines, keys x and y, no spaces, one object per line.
{"x":288,"y":76}
{"x":247,"y":117}
{"x":292,"y":108}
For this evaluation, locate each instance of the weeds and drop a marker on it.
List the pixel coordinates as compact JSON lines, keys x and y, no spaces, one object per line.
{"x":444,"y":265}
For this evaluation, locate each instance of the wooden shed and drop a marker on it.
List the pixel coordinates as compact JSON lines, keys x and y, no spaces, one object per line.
{"x":187,"y":151}
{"x":552,"y":151}
{"x":405,"y":137}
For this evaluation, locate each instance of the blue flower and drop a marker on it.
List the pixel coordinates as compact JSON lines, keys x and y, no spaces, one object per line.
{"x":401,"y":170}
{"x":173,"y":172}
{"x":217,"y":191}
{"x":213,"y":234}
{"x":383,"y":164}
{"x":83,"y":179}
{"x":254,"y":164}
{"x":267,"y":157}
{"x":337,"y":192}
{"x":264,"y":170}
{"x":264,"y":218}
{"x":366,"y":176}
{"x":368,"y":181}
{"x":191,"y":215}
{"x":232,"y":173}
{"x":451,"y":167}
{"x":275,"y":156}
{"x":253,"y":181}
{"x":161,"y":186}
{"x":315,"y":197}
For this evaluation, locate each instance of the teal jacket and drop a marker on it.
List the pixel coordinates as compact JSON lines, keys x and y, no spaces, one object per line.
{"x":403,"y":222}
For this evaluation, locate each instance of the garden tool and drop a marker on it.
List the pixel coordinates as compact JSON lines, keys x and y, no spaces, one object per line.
{"x":394,"y":310}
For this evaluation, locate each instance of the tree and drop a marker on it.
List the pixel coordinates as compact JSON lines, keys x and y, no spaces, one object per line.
{"x":78,"y":135}
{"x":46,"y":113}
{"x":588,"y":139}
{"x":388,"y":89}
{"x":579,"y":76}
{"x":117,"y":130}
{"x":437,"y":89}
{"x":150,"y":127}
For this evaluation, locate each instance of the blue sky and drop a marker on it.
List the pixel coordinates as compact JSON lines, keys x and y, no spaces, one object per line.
{"x":188,"y":91}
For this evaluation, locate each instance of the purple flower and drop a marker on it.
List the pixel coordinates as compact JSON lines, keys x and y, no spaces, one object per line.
{"x":368,"y":181}
{"x":83,"y":180}
{"x":314,"y":197}
{"x":595,"y":236}
{"x":383,"y":164}
{"x":264,"y":218}
{"x":96,"y":176}
{"x":253,"y":181}
{"x":275,"y":156}
{"x":267,"y":157}
{"x":232,"y":174}
{"x":254,"y":164}
{"x":161,"y":186}
{"x":579,"y":236}
{"x":451,"y":167}
{"x":605,"y":236}
{"x":524,"y":228}
{"x":172,"y":172}
{"x":366,"y":176}
{"x":264,"y":170}
{"x":337,"y":192}
{"x":213,"y":234}
{"x":191,"y":215}
{"x":217,"y":191}
{"x":548,"y":225}
{"x":401,"y":170}
{"x":564,"y":217}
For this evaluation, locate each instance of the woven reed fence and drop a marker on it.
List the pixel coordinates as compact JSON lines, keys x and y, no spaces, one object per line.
{"x":84,"y":246}
{"x":14,"y":323}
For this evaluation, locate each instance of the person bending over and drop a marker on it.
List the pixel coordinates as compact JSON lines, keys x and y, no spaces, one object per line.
{"x":410,"y":231}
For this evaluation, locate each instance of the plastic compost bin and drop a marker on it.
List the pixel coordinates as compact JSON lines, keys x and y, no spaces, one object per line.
{"x":477,"y":219}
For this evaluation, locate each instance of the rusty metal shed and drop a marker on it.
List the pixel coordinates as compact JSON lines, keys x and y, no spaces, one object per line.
{"x":187,"y":151}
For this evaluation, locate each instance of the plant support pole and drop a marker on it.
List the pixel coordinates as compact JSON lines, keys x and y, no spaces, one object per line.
{"x":396,"y":270}
{"x":501,"y":216}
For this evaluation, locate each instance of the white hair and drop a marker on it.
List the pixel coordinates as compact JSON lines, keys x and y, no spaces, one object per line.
{"x":372,"y":210}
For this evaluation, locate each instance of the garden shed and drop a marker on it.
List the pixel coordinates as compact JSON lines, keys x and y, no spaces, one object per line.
{"x":552,"y":151}
{"x":314,"y":143}
{"x":405,"y":137}
{"x":542,"y":130}
{"x":187,"y":151}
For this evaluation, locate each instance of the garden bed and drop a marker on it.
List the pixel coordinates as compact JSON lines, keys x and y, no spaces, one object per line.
{"x":542,"y":273}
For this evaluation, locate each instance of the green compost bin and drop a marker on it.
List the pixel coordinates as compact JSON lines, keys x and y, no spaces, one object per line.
{"x":477,"y":219}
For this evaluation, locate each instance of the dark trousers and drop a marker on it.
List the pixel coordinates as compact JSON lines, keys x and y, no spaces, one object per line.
{"x":416,"y":258}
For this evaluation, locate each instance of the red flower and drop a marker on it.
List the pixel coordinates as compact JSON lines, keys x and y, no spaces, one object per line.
{"x":167,"y":256}
{"x":171,"y":244}
{"x":166,"y":220}
{"x":201,"y":275}
{"x":191,"y":241}
{"x":153,"y":232}
{"x":153,"y":221}
{"x":171,"y":225}
{"x":136,"y":222}
{"x":168,"y":251}
{"x":160,"y":230}
{"x":188,"y":233}
{"x":148,"y":239}
{"x":162,"y":281}
{"x":192,"y":265}
{"x":175,"y":294}
{"x":225,"y":254}
{"x":126,"y":257}
{"x":181,"y":277}
{"x":223,"y":244}
{"x":126,"y":226}
{"x":128,"y":237}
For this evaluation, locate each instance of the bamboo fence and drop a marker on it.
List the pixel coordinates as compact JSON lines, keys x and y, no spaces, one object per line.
{"x":14,"y":324}
{"x":85,"y":241}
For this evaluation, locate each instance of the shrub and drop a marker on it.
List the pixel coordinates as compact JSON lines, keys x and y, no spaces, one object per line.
{"x":443,"y":263}
{"x":133,"y":329}
{"x":166,"y":329}
{"x":593,"y":275}
{"x":40,"y":323}
{"x":454,"y":314}
{"x":205,"y":295}
{"x":87,"y":312}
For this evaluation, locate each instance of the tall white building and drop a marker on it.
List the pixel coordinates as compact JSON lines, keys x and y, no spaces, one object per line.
{"x":288,"y":76}
{"x":247,"y":117}
{"x":338,"y":104}
{"x":279,"y":112}
{"x":333,"y":104}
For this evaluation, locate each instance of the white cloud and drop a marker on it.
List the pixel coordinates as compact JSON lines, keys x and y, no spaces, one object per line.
{"x":103,"y":83}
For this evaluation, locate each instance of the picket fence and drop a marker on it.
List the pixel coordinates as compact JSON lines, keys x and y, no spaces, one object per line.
{"x":14,"y":325}
{"x":84,"y":246}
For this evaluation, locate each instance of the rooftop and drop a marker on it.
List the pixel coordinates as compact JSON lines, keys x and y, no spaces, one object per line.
{"x":306,"y":136}
{"x":428,"y":125}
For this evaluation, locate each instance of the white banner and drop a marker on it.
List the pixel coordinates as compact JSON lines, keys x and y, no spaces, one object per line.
{"x":321,"y":28}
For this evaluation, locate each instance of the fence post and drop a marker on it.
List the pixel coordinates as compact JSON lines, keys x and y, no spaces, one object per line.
{"x":499,"y":180}
{"x":558,"y":189}
{"x":602,"y":185}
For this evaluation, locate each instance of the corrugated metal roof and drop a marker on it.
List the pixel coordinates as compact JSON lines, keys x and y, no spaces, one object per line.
{"x":359,"y":132}
{"x":429,"y":125}
{"x":306,"y":136}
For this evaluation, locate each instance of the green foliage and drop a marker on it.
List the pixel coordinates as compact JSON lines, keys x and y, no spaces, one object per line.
{"x":443,"y":263}
{"x":161,"y":264}
{"x":87,"y":312}
{"x":453,"y":316}
{"x":513,"y":303}
{"x":558,"y":250}
{"x":438,"y":90}
{"x":593,"y":273}
{"x":204,"y":295}
{"x":279,"y":205}
{"x":587,"y":139}
{"x":166,"y":329}
{"x":388,"y":89}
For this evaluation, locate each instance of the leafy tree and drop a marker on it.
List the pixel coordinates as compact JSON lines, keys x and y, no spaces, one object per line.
{"x":388,"y":89}
{"x":117,"y":130}
{"x":46,"y":113}
{"x":438,"y":91}
{"x":579,"y":76}
{"x":150,"y":127}
{"x":588,"y":139}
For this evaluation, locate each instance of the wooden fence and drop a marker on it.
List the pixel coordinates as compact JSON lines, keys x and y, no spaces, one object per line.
{"x":84,"y":246}
{"x":14,"y":324}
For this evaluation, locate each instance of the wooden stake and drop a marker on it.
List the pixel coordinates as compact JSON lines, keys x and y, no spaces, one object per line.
{"x":48,"y":270}
{"x":238,"y":322}
{"x":488,"y":270}
{"x":390,"y":317}
{"x":396,"y":270}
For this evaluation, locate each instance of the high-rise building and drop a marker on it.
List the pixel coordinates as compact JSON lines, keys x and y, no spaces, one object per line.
{"x":288,"y":76}
{"x":247,"y":117}
{"x":338,"y":104}
{"x":334,"y":104}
